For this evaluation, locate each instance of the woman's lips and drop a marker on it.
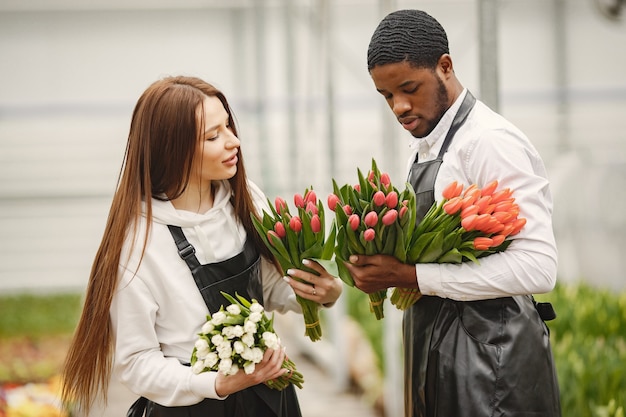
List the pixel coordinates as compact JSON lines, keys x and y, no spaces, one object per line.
{"x":232,"y":160}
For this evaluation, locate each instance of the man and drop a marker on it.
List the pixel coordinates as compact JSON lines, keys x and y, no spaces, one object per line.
{"x":475,"y":343}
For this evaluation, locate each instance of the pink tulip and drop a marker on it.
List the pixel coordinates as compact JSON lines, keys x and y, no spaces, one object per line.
{"x":497,"y":240}
{"x":332,"y":201}
{"x":354,"y":221}
{"x":501,"y":195}
{"x":392,"y":200}
{"x":385,"y":180}
{"x":471,"y":190}
{"x":311,"y":208}
{"x":272,"y":235}
{"x":452,"y":190}
{"x":316,"y":224}
{"x":483,"y":243}
{"x":371,"y":219}
{"x":489,"y":188}
{"x":390,"y":217}
{"x":482,"y":203}
{"x":310,"y":197}
{"x":403,"y":211}
{"x":369,"y":235}
{"x":295,"y":224}
{"x":371,"y":176}
{"x":357,"y":188}
{"x":473,"y":209}
{"x":298,"y":200}
{"x":517,"y":226}
{"x":347,"y":209}
{"x":379,"y":198}
{"x":279,"y":228}
{"x":453,"y":205}
{"x":280,"y":204}
{"x":469,"y":222}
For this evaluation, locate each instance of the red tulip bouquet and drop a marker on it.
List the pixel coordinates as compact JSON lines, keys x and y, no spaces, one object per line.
{"x":464,"y":226}
{"x":372,"y":217}
{"x":294,"y":237}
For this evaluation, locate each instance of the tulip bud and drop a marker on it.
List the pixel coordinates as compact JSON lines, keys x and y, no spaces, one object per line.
{"x":471,"y":189}
{"x":453,"y":205}
{"x":316,"y":224}
{"x":483,"y":243}
{"x":385,"y":180}
{"x":392,"y":200}
{"x":371,"y":219}
{"x":311,"y":208}
{"x":468,"y":222}
{"x":310,"y":197}
{"x":452,"y":190}
{"x":298,"y":200}
{"x":489,"y":188}
{"x":272,"y":235}
{"x":501,"y":195}
{"x":354,"y":221}
{"x":403,"y":211}
{"x":379,"y":198}
{"x":482,"y":203}
{"x":517,"y":226}
{"x":279,"y":228}
{"x":357,"y":188}
{"x":369,"y":235}
{"x":390,"y":217}
{"x":347,"y":209}
{"x":497,"y":240}
{"x":332,"y":201}
{"x":371,"y":176}
{"x":473,"y":209}
{"x":280,"y":204}
{"x":295,"y":224}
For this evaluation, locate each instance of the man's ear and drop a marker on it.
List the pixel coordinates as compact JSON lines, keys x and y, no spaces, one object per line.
{"x":444,"y":66}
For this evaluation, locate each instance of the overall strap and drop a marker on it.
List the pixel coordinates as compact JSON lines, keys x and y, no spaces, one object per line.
{"x":459,"y":119}
{"x":185,"y":250}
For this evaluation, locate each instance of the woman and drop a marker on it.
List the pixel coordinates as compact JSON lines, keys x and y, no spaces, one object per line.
{"x":179,"y":232}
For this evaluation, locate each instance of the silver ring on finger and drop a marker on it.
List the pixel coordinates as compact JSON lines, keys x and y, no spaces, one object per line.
{"x":314,"y":292}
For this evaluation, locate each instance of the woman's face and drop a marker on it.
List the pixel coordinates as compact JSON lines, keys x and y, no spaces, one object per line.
{"x":218,"y":146}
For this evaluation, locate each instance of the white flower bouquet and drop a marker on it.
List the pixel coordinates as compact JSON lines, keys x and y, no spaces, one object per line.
{"x":235,"y":338}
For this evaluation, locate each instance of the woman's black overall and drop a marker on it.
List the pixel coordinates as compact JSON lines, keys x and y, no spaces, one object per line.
{"x":478,"y":358}
{"x":240,"y":274}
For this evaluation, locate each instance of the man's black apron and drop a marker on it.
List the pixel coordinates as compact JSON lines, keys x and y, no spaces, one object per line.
{"x":239,"y":274}
{"x":477,"y":358}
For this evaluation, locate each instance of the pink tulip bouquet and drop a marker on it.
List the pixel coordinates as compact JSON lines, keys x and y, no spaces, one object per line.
{"x":372,"y":217}
{"x":294,"y":237}
{"x":466,"y":225}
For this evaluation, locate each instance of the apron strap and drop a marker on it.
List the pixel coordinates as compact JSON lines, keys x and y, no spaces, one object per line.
{"x":185,"y":250}
{"x":459,"y":119}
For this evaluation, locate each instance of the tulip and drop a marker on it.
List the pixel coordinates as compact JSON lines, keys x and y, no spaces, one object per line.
{"x":271,"y":235}
{"x":295,"y":224}
{"x":483,"y":221}
{"x":371,"y":219}
{"x":354,"y":221}
{"x":280,"y":204}
{"x":483,"y":243}
{"x":471,"y":190}
{"x":468,"y":223}
{"x":371,"y":176}
{"x":390,"y":217}
{"x":403,"y":211}
{"x":298,"y":200}
{"x":452,"y":190}
{"x":498,"y":240}
{"x":517,"y":226}
{"x":385,"y":180}
{"x":379,"y":198}
{"x":316,"y":224}
{"x":311,"y":208}
{"x":310,"y":197}
{"x":489,"y":188}
{"x":473,"y":209}
{"x":453,"y":205}
{"x":503,"y":216}
{"x":392,"y":200}
{"x":347,"y":209}
{"x":357,"y":188}
{"x":501,"y":195}
{"x":482,"y":203}
{"x":369,"y":235}
{"x":332,"y":201}
{"x":279,"y":228}
{"x":503,"y":206}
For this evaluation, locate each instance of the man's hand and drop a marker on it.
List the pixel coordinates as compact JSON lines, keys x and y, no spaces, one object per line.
{"x":377,"y":272}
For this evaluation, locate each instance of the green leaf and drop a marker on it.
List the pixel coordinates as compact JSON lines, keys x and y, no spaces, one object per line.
{"x":433,"y":250}
{"x":329,"y":265}
{"x":452,"y":256}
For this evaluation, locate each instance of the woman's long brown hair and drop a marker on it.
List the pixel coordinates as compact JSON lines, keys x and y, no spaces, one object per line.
{"x":160,"y":150}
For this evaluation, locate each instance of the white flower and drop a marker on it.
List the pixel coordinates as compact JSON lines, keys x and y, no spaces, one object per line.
{"x":233,"y":369}
{"x":256,"y":308}
{"x":218,"y":318}
{"x":207,"y":327}
{"x":225,"y":365}
{"x":217,"y":339}
{"x":249,"y":367}
{"x":211,"y":360}
{"x":257,"y":354}
{"x":228,"y":332}
{"x":234,"y":309}
{"x":238,"y":330}
{"x":201,"y":344}
{"x":250,"y":327}
{"x":198,"y":367}
{"x":225,"y":350}
{"x":238,"y":347}
{"x":248,"y":339}
{"x":256,"y":316}
{"x":271,"y":340}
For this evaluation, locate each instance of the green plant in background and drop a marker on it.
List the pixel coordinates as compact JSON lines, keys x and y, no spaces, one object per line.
{"x":588,"y":341}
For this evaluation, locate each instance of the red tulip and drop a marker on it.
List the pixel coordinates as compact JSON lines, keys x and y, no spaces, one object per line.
{"x":280,"y":204}
{"x":295,"y":224}
{"x":310,"y":197}
{"x":354,"y":221}
{"x":471,"y":190}
{"x":371,"y":219}
{"x":316,"y":224}
{"x":311,"y":208}
{"x":385,"y":180}
{"x":489,"y":188}
{"x":379,"y":198}
{"x":272,"y":235}
{"x":467,"y":211}
{"x":298,"y":200}
{"x":468,"y":223}
{"x":483,"y":203}
{"x":279,"y":228}
{"x":369,"y":235}
{"x":390,"y":217}
{"x":347,"y":209}
{"x":392,"y":200}
{"x":332,"y":201}
{"x":498,"y":240}
{"x":403,"y":211}
{"x":517,"y":226}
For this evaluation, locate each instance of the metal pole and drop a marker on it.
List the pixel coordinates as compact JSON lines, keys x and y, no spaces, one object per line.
{"x":488,"y":52}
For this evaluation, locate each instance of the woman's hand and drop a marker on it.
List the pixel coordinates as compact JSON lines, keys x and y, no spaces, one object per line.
{"x":269,"y":368}
{"x":323,"y":288}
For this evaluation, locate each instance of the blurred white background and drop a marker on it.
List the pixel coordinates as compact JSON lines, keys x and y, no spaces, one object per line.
{"x":295,"y":74}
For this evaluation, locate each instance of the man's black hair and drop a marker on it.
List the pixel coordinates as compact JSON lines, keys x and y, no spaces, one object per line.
{"x":407,"y":35}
